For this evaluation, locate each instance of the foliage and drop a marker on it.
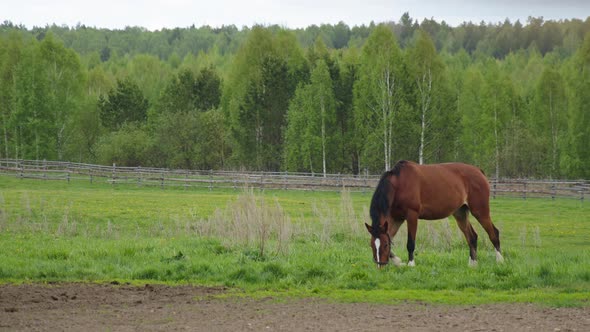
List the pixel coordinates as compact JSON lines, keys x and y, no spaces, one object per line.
{"x":509,"y":97}
{"x":124,"y":105}
{"x":378,"y":97}
{"x":311,"y":138}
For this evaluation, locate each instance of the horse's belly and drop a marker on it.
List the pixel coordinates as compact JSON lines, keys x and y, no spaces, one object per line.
{"x":434,"y":215}
{"x":440,"y":212}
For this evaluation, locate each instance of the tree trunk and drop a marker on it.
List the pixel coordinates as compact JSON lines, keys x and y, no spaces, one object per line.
{"x":497,"y":149}
{"x":323,"y":114}
{"x":425,"y":88}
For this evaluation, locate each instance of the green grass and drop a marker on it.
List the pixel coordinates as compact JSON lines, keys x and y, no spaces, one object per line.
{"x":55,"y":231}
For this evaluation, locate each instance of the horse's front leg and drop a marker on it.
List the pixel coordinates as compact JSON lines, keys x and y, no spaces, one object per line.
{"x":412,"y":228}
{"x":395,"y":225}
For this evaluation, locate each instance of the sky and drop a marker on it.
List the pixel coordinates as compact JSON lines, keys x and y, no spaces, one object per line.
{"x":155,"y":14}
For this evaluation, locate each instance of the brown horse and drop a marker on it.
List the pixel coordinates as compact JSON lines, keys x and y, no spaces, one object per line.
{"x":411,"y":192}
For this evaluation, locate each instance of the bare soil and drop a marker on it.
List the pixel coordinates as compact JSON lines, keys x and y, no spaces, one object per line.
{"x":113,"y":307}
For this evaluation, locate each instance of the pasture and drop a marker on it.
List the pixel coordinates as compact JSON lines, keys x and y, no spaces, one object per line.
{"x":284,"y":244}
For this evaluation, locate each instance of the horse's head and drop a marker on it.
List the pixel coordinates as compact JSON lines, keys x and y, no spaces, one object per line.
{"x":380,"y":244}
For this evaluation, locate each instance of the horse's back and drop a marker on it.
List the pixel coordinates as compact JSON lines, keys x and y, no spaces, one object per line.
{"x":443,"y":188}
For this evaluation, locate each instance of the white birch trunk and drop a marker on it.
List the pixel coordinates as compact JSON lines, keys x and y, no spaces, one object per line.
{"x":497,"y":148}
{"x":425,"y":88}
{"x":323,"y":115}
{"x":554,"y":133}
{"x":387,"y":113}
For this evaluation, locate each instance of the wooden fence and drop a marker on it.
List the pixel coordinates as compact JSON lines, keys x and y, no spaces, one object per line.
{"x":144,"y":176}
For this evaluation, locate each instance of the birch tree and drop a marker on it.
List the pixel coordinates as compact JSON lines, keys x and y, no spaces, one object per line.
{"x":311,"y":132}
{"x":324,"y":111}
{"x":66,"y":80}
{"x":549,"y":115}
{"x":10,"y":55}
{"x":376,"y":94}
{"x":577,"y":158}
{"x":497,"y":106}
{"x":426,"y":68}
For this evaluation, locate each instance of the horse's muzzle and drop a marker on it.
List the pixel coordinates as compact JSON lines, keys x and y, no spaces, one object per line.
{"x":381,"y":264}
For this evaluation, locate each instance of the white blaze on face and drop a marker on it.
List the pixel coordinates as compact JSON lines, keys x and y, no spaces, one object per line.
{"x":377,"y":245}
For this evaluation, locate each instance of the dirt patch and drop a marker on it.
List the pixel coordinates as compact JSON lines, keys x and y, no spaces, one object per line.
{"x":92,"y":307}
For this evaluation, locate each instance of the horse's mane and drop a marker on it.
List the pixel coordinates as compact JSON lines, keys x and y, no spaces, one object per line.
{"x":379,"y":202}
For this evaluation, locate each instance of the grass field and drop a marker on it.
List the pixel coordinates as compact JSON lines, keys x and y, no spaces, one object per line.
{"x":284,"y":243}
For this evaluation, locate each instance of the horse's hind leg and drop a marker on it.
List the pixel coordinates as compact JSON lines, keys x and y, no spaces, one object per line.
{"x":482,"y":214}
{"x":461,"y":215}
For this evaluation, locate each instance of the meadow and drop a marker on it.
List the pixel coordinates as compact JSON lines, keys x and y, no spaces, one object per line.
{"x":284,"y":244}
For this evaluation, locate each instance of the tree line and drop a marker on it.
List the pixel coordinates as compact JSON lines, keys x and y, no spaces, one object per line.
{"x":510,"y":98}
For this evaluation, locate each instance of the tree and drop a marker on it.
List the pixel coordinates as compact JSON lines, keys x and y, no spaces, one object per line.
{"x":207,"y":89}
{"x":32,"y":120}
{"x":179,"y":94}
{"x":426,"y":71}
{"x":295,"y":144}
{"x":377,"y":94}
{"x":343,"y":91}
{"x":577,"y":158}
{"x":322,"y":117}
{"x":65,"y":87}
{"x":256,"y":99}
{"x":125,"y":104}
{"x":311,"y":131}
{"x":497,"y":105}
{"x":10,"y":54}
{"x":469,"y":105}
{"x":549,"y":117}
{"x":150,"y":74}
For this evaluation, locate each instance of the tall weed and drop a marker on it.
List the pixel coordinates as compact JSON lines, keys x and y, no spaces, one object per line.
{"x":252,"y":222}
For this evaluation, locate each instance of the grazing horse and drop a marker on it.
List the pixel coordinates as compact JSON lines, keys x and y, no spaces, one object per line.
{"x":410,"y":192}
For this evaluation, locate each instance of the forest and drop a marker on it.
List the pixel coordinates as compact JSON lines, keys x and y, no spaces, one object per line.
{"x":512,"y":98}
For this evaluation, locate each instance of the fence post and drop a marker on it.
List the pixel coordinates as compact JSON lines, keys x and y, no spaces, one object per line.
{"x":68,"y":172}
{"x":113,"y":174}
{"x":524,"y":190}
{"x":138,"y":170}
{"x":553,"y":191}
{"x":285,"y":181}
{"x":210,"y":180}
{"x":494,"y":188}
{"x":44,"y":169}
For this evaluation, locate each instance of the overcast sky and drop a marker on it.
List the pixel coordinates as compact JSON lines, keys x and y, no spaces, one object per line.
{"x":154,"y":14}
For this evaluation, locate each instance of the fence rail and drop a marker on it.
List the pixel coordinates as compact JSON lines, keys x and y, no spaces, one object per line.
{"x":146,"y":176}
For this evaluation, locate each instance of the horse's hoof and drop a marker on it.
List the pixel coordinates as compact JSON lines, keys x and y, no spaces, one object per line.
{"x":472,"y":263}
{"x":411,"y":263}
{"x":499,"y":258}
{"x":396,"y":261}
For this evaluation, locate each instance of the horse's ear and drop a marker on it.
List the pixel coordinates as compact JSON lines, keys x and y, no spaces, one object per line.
{"x":385,"y":227}
{"x":369,"y":228}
